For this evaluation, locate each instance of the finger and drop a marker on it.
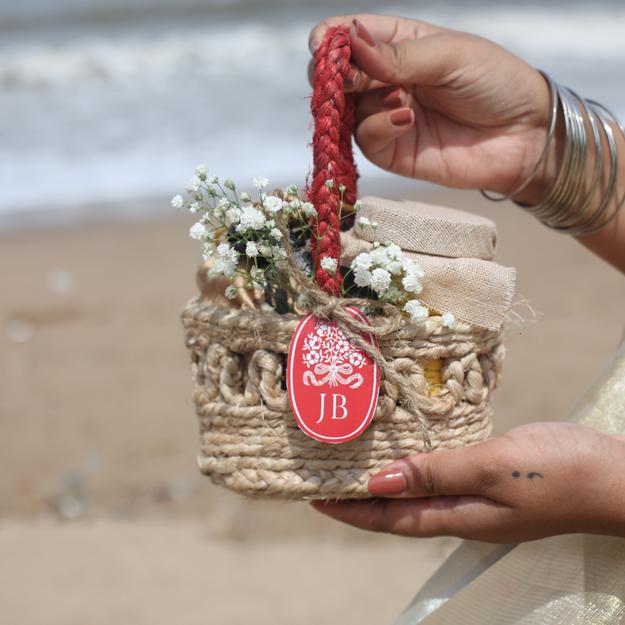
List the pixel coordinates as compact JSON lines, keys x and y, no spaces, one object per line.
{"x":466,"y":517}
{"x":386,"y":28}
{"x":377,"y":134}
{"x":380,"y":100}
{"x":473,"y":470}
{"x":429,"y":60}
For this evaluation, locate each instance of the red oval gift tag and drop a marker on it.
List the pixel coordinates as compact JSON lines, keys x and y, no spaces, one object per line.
{"x":333,"y":385}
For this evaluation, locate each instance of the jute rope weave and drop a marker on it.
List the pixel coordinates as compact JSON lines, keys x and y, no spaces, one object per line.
{"x":250,"y":441}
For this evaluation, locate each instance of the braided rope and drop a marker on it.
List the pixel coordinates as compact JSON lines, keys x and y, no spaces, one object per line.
{"x":333,"y":115}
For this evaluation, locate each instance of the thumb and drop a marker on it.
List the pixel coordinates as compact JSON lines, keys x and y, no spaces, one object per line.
{"x":426,"y":60}
{"x":468,"y":470}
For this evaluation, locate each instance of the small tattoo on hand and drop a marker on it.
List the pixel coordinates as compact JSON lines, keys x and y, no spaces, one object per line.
{"x":530,"y":476}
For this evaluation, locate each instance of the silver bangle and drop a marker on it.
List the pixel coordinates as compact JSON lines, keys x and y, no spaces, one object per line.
{"x":569,"y":206}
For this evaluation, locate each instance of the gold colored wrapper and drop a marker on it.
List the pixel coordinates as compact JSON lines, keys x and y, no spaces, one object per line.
{"x":565,"y":580}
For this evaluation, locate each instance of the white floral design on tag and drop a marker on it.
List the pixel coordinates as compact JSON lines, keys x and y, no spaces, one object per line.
{"x":331,"y":359}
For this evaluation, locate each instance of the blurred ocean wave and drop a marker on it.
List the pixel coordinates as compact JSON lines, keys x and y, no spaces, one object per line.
{"x":112,"y":101}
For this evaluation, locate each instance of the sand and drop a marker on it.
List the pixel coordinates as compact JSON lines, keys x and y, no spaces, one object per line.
{"x":103,"y":514}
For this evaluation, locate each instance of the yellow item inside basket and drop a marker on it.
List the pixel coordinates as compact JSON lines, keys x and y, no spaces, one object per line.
{"x":433,"y":371}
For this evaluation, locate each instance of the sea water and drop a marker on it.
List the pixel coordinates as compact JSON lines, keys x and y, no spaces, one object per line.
{"x":107,"y":103}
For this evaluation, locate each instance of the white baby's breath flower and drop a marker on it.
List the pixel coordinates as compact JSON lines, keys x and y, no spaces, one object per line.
{"x":201,"y":171}
{"x":195,"y":207}
{"x":394,"y":252}
{"x":272,"y":203}
{"x":374,"y":224}
{"x":226,"y":262}
{"x":378,"y":256}
{"x":244,"y":196}
{"x":329,"y":183}
{"x":362,"y":277}
{"x":198,"y":231}
{"x":380,"y":280}
{"x":276,"y":234}
{"x":194,"y":184}
{"x":411,"y":283}
{"x":294,"y":204}
{"x":224,"y":266}
{"x":233,"y":216}
{"x":416,"y":310}
{"x":363,"y":222}
{"x":231,"y":292}
{"x":342,"y":188}
{"x":251,"y":249}
{"x":213,"y":179}
{"x":395,"y":267}
{"x":362,"y":261}
{"x":291,"y":189}
{"x":229,"y":184}
{"x":264,"y":250}
{"x":357,"y":205}
{"x":224,"y":250}
{"x":413,"y":267}
{"x":260,"y":182}
{"x":251,"y":219}
{"x":448,"y":319}
{"x":308,"y":209}
{"x":329,"y":264}
{"x":177,"y":201}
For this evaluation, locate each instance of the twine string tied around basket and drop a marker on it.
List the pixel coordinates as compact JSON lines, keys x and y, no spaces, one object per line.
{"x":326,"y":306}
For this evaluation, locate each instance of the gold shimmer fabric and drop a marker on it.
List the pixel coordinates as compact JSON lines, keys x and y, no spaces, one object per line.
{"x":565,"y":580}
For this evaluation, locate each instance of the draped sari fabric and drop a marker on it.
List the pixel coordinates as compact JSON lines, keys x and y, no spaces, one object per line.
{"x":565,"y":580}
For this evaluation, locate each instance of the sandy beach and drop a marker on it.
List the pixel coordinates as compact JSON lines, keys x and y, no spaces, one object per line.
{"x":104,"y":516}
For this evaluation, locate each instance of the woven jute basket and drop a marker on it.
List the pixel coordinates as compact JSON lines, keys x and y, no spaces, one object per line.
{"x":250,"y":440}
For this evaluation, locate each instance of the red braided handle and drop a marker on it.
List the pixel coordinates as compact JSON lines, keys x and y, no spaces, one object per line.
{"x":333,"y":114}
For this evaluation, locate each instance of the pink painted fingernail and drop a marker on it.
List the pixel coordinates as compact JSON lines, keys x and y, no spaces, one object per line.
{"x":393,"y":99}
{"x":391,"y":482}
{"x":364,"y":34}
{"x":403,"y":117}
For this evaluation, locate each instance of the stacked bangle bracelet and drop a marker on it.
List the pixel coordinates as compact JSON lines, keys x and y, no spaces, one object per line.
{"x":572,"y":206}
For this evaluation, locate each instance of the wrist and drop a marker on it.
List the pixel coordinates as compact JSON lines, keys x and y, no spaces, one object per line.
{"x":547,"y":173}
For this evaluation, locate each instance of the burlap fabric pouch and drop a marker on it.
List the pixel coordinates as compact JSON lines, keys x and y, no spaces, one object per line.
{"x":250,"y":441}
